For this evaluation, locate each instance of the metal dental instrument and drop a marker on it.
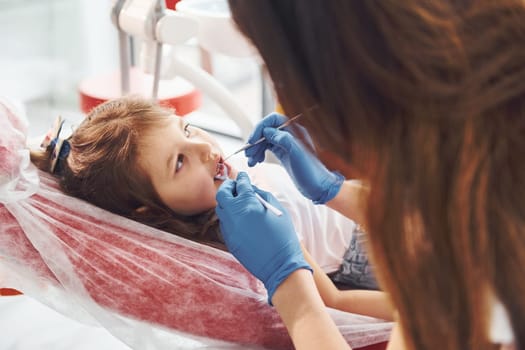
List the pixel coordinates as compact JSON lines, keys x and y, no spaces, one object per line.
{"x":248,"y":145}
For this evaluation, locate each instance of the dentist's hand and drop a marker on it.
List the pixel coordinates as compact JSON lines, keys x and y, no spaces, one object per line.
{"x":266,"y":244}
{"x":310,"y":176}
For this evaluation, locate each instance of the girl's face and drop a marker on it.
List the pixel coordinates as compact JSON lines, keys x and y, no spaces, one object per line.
{"x":181,"y":161}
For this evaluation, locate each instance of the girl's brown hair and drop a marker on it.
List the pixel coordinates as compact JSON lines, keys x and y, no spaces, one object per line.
{"x":427,"y":99}
{"x":102,"y":168}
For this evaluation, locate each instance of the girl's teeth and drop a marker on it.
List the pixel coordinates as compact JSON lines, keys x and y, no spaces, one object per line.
{"x":222,"y":172}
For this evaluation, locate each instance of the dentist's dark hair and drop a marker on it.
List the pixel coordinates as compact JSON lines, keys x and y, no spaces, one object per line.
{"x":426,"y":99}
{"x":102,"y":168}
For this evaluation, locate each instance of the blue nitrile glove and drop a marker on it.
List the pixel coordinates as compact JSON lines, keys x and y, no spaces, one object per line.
{"x":310,"y":176}
{"x":264,"y":243}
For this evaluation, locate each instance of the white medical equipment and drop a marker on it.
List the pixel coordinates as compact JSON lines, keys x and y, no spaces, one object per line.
{"x":208,"y":20}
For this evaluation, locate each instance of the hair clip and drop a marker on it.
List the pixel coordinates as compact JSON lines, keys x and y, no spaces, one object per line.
{"x":53,"y":132}
{"x":59,"y":147}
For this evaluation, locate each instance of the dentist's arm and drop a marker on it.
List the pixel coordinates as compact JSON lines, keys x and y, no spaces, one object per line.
{"x":351,"y":200}
{"x":268,"y":247}
{"x":304,"y":314}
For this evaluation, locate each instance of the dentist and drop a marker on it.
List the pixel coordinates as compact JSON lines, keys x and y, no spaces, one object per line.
{"x":424,"y":102}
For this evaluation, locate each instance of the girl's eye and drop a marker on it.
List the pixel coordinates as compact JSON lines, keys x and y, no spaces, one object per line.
{"x":180,"y":161}
{"x":187,"y":131}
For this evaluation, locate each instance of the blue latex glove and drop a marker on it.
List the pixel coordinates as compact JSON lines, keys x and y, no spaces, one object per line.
{"x":310,"y":176}
{"x":264,"y":243}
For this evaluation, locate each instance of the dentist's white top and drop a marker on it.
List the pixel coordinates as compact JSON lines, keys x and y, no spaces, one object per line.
{"x":325,"y":233}
{"x":500,"y":327}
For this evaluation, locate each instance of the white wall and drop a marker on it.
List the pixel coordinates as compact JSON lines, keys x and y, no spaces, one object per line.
{"x":47,"y":47}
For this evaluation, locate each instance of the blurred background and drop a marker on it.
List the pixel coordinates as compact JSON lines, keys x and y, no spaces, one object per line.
{"x":49,"y":47}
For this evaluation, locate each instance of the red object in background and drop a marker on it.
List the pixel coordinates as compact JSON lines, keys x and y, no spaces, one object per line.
{"x":170,"y":4}
{"x":8,"y":291}
{"x":174,"y":93}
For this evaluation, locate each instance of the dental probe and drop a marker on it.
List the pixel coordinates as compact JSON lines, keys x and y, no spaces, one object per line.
{"x":248,"y":145}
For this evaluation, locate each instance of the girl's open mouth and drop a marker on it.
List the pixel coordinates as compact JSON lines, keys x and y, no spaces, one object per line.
{"x":222,"y":171}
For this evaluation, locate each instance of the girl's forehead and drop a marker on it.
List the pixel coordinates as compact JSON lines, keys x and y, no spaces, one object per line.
{"x":156,"y":127}
{"x":159,"y":132}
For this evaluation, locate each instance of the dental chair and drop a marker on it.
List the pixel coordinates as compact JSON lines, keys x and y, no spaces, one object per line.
{"x":148,"y":288}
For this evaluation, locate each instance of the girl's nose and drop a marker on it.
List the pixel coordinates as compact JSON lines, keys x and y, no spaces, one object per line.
{"x":206,"y":152}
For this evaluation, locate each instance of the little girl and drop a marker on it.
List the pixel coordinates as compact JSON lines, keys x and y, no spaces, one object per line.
{"x":136,"y":159}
